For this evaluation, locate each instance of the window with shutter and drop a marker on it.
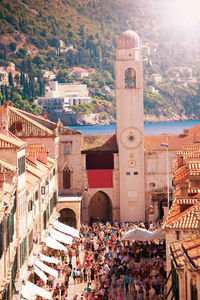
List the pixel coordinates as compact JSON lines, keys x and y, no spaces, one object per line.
{"x":55,"y":198}
{"x":66,"y":178}
{"x":43,"y":190}
{"x":1,"y":239}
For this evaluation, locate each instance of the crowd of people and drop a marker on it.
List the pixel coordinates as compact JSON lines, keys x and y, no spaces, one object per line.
{"x":111,"y":269}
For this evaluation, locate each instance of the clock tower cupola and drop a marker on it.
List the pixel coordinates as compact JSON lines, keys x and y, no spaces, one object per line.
{"x":130,"y":126}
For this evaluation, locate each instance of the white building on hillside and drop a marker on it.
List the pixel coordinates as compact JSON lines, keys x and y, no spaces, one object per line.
{"x":62,"y":96}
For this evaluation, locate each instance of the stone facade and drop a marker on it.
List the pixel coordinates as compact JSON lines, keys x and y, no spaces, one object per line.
{"x":182,"y":226}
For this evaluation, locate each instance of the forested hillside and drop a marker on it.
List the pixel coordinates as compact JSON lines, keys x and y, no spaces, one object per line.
{"x":30,"y":32}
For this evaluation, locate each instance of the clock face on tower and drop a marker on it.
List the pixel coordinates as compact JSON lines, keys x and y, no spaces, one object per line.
{"x":131,"y":137}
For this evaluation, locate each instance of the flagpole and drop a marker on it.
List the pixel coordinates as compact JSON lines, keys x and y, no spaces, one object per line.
{"x":167,"y":174}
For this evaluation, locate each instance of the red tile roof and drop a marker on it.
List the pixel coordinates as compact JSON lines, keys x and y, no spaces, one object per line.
{"x":195,"y":129}
{"x":186,"y":249}
{"x":183,"y":220}
{"x":5,"y":167}
{"x":175,"y":142}
{"x":99,"y":143}
{"x":7,"y":142}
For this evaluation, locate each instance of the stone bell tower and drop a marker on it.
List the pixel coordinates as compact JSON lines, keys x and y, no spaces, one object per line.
{"x":130,"y":126}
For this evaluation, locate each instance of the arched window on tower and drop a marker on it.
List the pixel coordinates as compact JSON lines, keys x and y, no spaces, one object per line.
{"x":66,"y":178}
{"x":130,"y":78}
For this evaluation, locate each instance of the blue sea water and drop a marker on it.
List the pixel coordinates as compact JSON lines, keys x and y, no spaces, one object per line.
{"x":149,"y":128}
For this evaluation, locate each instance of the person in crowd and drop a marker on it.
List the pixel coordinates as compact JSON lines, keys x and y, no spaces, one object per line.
{"x":108,"y":267}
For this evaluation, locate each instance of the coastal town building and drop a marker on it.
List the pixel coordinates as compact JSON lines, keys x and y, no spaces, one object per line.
{"x":121,"y":177}
{"x":4,"y":74}
{"x":48,"y":75}
{"x":156,"y":77}
{"x":61,"y":96}
{"x":182,"y":73}
{"x":28,"y":188}
{"x":79,"y":72}
{"x":182,"y":226}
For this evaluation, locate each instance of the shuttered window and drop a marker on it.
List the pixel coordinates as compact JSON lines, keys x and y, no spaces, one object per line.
{"x":10,"y":228}
{"x":23,"y":251}
{"x":51,"y":205}
{"x":14,"y":271}
{"x":1,"y":239}
{"x":66,"y":178}
{"x":21,"y":165}
{"x":55,"y":196}
{"x":30,"y":242}
{"x":47,"y":210}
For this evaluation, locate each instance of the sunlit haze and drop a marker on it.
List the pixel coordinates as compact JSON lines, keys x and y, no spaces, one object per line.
{"x":188,"y":11}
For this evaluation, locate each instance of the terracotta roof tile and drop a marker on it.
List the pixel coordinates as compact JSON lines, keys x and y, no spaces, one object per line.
{"x":5,"y":167}
{"x":31,"y":180}
{"x":195,"y":129}
{"x":177,"y":254}
{"x":8,"y":187}
{"x":37,"y":128}
{"x":78,"y":69}
{"x":175,"y":142}
{"x":187,"y":201}
{"x":188,"y":248}
{"x":192,"y":250}
{"x":49,"y":124}
{"x":99,"y":143}
{"x":183,"y":220}
{"x":9,"y":142}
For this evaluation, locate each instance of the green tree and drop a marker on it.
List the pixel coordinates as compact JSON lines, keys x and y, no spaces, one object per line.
{"x":6,"y":92}
{"x":21,"y":53}
{"x":1,"y":98}
{"x":39,"y":61}
{"x":10,"y":79}
{"x":63,"y":76}
{"x":2,"y":91}
{"x":16,"y":97}
{"x":13,"y":46}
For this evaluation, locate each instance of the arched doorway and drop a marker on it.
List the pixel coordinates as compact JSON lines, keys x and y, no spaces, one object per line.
{"x":162,"y":203}
{"x":100,"y":208}
{"x":68,"y":217}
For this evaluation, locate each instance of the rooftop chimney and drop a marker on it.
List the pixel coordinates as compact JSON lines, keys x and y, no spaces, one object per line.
{"x":45,"y":115}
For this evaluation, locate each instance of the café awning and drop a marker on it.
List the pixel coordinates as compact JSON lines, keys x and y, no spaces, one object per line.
{"x":52,"y":243}
{"x":66,"y":229}
{"x":40,"y":274}
{"x":141,"y":234}
{"x":158,"y":234}
{"x":47,"y":269}
{"x":137,"y":234}
{"x":27,"y":293}
{"x":38,"y":291}
{"x":48,"y":259}
{"x":61,"y":237}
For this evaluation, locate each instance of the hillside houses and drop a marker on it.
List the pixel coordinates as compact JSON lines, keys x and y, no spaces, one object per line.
{"x":4,"y":74}
{"x":181,"y":73}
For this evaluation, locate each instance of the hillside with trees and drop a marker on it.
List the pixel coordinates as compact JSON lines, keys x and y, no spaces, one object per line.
{"x":30,"y":34}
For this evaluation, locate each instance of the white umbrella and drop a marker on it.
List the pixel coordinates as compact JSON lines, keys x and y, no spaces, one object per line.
{"x":158,"y":234}
{"x":138,"y":234}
